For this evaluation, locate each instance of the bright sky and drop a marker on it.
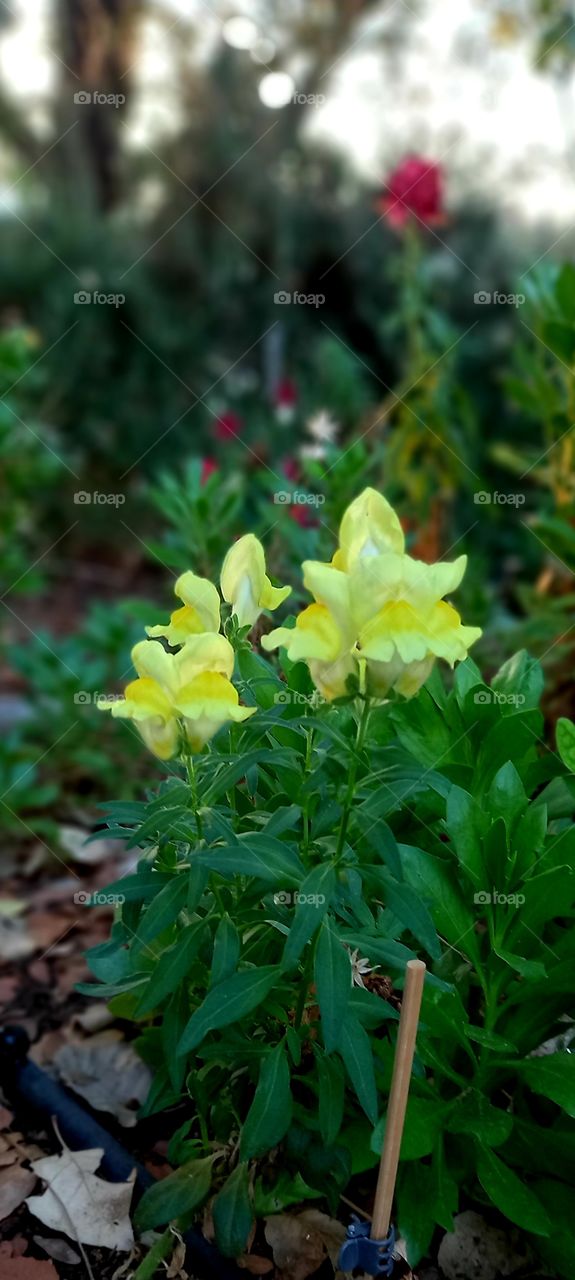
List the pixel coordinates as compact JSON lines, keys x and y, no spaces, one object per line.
{"x":503,"y":127}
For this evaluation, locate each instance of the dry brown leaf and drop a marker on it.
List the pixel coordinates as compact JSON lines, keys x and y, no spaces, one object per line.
{"x":15,"y":1185}
{"x":255,"y":1265}
{"x":27,"y":1269}
{"x":80,"y":1205}
{"x":73,"y":841}
{"x":6,"y":1117}
{"x":15,"y":940}
{"x":176,"y":1268}
{"x":58,"y":1249}
{"x":108,"y":1073}
{"x":298,"y":1251}
{"x":330,"y":1231}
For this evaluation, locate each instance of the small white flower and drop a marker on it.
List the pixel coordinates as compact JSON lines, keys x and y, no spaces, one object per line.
{"x":360,"y":967}
{"x":322,"y":427}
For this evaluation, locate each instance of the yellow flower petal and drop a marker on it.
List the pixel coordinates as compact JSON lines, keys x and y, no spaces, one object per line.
{"x":151,"y":659}
{"x":207,"y":652}
{"x":202,"y":596}
{"x":271,"y":597}
{"x":244,"y":583}
{"x":369,"y":527}
{"x":242,"y":578}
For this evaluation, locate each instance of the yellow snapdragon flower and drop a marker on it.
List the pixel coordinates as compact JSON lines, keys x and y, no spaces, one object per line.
{"x":200,"y":610}
{"x":181,"y":699}
{"x":378,"y":614}
{"x":244,"y":583}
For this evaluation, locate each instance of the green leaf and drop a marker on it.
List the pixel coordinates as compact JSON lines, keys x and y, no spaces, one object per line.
{"x":412,"y":913}
{"x":424,"y":1121}
{"x":466,"y":823}
{"x":472,"y":1113}
{"x":256,"y":855}
{"x":433,"y":879}
{"x":164,"y":909}
{"x":415,"y":1205}
{"x":269,"y":1116}
{"x":227,"y":1003}
{"x":506,"y":797}
{"x":565,"y":734}
{"x":226,"y":951}
{"x":233,"y":1213}
{"x":380,"y":836}
{"x":331,"y":1097}
{"x":177,"y":1194}
{"x":172,"y":966}
{"x":489,"y":1039}
{"x":313,"y":900}
{"x":332,"y":974}
{"x":509,"y":1194}
{"x":554,"y":1077}
{"x":355,"y":1048}
{"x":520,"y":677}
{"x":534,"y":970}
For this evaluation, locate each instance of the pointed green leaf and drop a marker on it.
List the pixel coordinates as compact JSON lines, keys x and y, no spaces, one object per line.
{"x":269,"y":1116}
{"x":333,"y":983}
{"x":227,"y":1003}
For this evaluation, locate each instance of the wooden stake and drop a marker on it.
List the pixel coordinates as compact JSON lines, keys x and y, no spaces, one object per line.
{"x":405,"y":1049}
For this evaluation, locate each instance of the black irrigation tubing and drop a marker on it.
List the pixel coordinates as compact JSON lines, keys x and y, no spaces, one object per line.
{"x":31,"y":1090}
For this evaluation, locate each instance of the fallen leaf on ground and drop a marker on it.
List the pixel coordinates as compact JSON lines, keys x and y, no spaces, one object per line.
{"x":8,"y":988}
{"x":298,"y":1245}
{"x":15,"y":940}
{"x":15,"y":1185}
{"x":6,"y":1118}
{"x":255,"y":1265}
{"x":73,"y":841}
{"x":94,"y":1018}
{"x":108,"y":1073}
{"x":476,"y":1248}
{"x":13,"y":1248}
{"x":27,"y":1269}
{"x":80,"y":1205}
{"x":58,"y":1249}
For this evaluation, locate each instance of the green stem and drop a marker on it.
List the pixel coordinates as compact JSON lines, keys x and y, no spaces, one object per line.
{"x":304,"y":986}
{"x":307,"y":771}
{"x":359,"y":741}
{"x":191,"y":773}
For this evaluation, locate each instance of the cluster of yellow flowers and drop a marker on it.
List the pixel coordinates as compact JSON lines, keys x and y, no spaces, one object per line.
{"x":180,"y":700}
{"x":379,"y":615}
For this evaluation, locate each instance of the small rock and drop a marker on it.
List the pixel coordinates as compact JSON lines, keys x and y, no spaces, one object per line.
{"x":477,"y":1251}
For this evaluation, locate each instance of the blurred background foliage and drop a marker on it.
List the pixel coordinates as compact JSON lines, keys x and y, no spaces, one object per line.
{"x":197,"y":399}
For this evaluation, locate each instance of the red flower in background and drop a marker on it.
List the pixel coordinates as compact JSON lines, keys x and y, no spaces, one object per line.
{"x":208,"y":468}
{"x":291,"y":469}
{"x":228,"y":425}
{"x":414,"y":190}
{"x":285,"y":394}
